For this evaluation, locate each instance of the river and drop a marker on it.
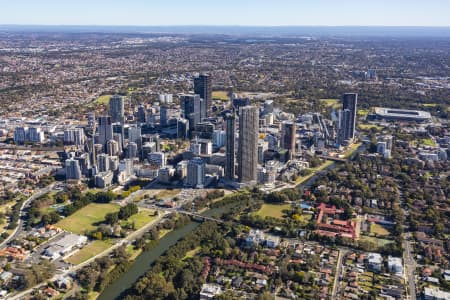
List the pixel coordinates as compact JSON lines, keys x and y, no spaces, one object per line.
{"x":144,"y":261}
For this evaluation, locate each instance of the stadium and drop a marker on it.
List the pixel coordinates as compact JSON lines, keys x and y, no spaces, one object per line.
{"x":393,"y":114}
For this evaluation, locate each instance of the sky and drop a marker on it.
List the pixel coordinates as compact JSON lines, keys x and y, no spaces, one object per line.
{"x":227,"y":12}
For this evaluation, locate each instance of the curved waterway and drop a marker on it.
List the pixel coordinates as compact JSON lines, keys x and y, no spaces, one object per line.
{"x":145,"y":260}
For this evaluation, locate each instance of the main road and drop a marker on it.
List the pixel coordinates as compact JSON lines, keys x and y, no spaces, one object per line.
{"x":336,"y":284}
{"x":410,"y":267}
{"x":22,"y":213}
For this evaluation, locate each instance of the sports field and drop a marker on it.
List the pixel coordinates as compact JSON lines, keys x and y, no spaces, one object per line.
{"x":87,"y":218}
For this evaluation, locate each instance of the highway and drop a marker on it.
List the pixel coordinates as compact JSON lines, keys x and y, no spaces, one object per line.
{"x":22,"y":214}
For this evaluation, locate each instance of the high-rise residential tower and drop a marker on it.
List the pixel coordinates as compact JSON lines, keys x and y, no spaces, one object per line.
{"x":347,"y":118}
{"x":105,"y":130}
{"x":248,"y":144}
{"x":190,"y":105}
{"x":288,"y":137}
{"x":72,"y":168}
{"x":196,"y":173}
{"x":116,"y":108}
{"x":230,"y":131}
{"x":203,"y":87}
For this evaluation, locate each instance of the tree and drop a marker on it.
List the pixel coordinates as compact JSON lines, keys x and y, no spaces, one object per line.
{"x":112,"y":218}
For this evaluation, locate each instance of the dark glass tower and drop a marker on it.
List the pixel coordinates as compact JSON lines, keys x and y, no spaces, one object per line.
{"x":203,"y":87}
{"x":248,"y":143}
{"x":230,"y":131}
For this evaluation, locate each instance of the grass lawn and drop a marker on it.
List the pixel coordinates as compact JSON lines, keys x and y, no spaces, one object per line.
{"x":362,"y":112}
{"x":272,"y":210}
{"x":220,"y":95}
{"x":351,"y":150}
{"x":86,"y":218}
{"x":168,"y":193}
{"x":192,"y":253}
{"x":378,"y":229}
{"x":89,"y":251}
{"x":377,"y":241}
{"x":6,"y":206}
{"x":334,"y":103}
{"x":93,"y":295}
{"x":143,"y":217}
{"x":103,"y":99}
{"x":369,"y":126}
{"x":133,"y":252}
{"x":429,"y":104}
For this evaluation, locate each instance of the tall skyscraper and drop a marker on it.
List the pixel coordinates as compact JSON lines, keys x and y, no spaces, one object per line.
{"x":248,"y":143}
{"x":196,"y":173}
{"x":288,"y":137}
{"x":203,"y":87}
{"x":230,"y":131}
{"x":190,"y":105}
{"x":105,"y":130}
{"x":116,"y":108}
{"x":347,"y":118}
{"x":135,"y":135}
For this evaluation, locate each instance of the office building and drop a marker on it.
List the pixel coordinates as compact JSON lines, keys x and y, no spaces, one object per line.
{"x":268,"y":107}
{"x":288,"y":138}
{"x":203,"y":87}
{"x":263,"y":146}
{"x":203,"y":130}
{"x":182,"y":128}
{"x":116,"y":109}
{"x":132,"y":150}
{"x":347,"y":118}
{"x":135,"y":135}
{"x":165,"y":98}
{"x":230,"y":131}
{"x":104,"y":179}
{"x":190,"y":105}
{"x":157,"y":158}
{"x":141,"y":114}
{"x":196,"y":173}
{"x":219,"y":138}
{"x":91,"y":119}
{"x":72,"y":168}
{"x":248,"y":144}
{"x":105,"y":130}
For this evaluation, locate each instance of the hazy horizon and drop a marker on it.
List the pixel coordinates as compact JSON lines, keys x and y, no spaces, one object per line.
{"x":260,"y":13}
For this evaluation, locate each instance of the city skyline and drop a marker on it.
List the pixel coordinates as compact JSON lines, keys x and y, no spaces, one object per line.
{"x":242,"y":13}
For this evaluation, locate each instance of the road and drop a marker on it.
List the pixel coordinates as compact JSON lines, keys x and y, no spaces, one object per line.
{"x":22,"y":213}
{"x":132,"y":236}
{"x":335,"y":291}
{"x":410,"y":267}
